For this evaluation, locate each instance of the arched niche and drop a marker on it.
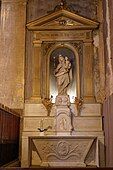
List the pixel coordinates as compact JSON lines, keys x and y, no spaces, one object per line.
{"x":67,"y":51}
{"x":49,"y":30}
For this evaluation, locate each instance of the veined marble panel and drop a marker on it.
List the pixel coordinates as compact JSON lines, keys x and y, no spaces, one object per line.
{"x":33,"y":123}
{"x":35,"y":110}
{"x":88,"y":123}
{"x":91,"y":110}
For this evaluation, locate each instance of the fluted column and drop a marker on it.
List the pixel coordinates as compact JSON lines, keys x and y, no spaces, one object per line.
{"x":12,"y":59}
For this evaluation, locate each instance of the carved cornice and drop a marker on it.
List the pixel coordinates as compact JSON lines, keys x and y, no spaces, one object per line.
{"x":62,"y":20}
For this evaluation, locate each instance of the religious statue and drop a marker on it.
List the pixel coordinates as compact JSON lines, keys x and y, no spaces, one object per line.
{"x":63,"y":73}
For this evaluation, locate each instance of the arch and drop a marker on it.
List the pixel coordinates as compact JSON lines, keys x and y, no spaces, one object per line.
{"x":75,"y":52}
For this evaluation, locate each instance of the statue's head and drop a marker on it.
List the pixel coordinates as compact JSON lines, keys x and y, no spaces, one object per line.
{"x":66,"y":58}
{"x":61,"y":58}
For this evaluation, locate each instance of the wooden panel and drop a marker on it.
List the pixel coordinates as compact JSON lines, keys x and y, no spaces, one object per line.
{"x":10,"y":127}
{"x":9,"y":136}
{"x":0,"y":124}
{"x":8,"y":152}
{"x":6,"y":126}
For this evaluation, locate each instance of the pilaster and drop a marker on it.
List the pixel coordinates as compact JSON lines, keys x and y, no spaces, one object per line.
{"x":88,"y":91}
{"x":36,"y":72}
{"x":12,"y":60}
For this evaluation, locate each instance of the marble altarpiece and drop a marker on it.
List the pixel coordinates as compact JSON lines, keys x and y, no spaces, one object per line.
{"x":63,"y":120}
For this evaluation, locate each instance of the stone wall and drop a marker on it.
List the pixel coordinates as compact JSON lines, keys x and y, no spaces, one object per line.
{"x":39,"y":8}
{"x":108,"y":39}
{"x":108,"y":126}
{"x":12,"y":56}
{"x":108,"y":104}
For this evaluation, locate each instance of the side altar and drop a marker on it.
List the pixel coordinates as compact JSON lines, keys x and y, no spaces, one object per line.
{"x":62,"y":122}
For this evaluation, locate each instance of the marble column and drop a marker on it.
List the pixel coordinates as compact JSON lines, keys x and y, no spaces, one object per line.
{"x":12,"y":59}
{"x":88,"y":89}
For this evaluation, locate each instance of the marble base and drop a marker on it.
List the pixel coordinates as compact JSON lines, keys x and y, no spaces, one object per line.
{"x":88,"y":124}
{"x":63,"y":115}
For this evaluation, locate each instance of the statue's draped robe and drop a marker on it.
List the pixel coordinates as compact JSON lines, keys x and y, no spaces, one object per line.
{"x":63,"y":79}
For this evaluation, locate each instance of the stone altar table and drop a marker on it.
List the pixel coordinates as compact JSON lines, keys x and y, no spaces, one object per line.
{"x":63,"y":151}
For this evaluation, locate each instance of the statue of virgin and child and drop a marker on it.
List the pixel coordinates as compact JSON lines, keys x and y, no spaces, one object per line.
{"x":63,"y":74}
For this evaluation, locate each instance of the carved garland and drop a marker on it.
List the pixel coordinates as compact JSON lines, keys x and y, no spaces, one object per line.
{"x":76,"y":44}
{"x":79,"y":46}
{"x":46,"y":46}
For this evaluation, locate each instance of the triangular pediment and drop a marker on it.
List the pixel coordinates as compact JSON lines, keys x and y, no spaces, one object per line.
{"x":62,"y":19}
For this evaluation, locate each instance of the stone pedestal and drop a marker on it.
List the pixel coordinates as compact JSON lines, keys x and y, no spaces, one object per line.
{"x":63,"y":115}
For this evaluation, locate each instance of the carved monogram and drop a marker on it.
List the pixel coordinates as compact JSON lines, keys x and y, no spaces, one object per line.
{"x":63,"y":21}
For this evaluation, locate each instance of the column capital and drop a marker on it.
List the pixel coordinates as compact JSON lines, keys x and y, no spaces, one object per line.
{"x":37,"y":43}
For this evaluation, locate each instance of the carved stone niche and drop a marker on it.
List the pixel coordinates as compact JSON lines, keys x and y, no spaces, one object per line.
{"x":62,"y":29}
